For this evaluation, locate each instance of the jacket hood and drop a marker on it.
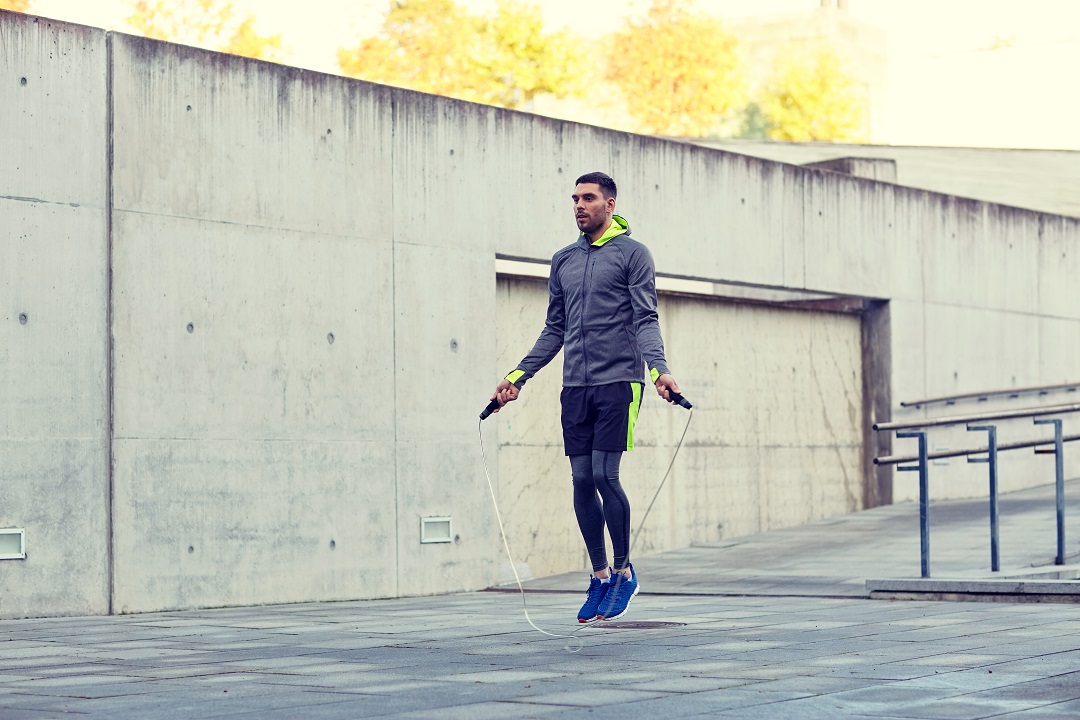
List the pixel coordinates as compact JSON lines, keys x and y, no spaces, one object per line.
{"x":619,"y":226}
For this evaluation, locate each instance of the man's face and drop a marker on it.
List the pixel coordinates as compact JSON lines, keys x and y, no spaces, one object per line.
{"x":591,"y":210}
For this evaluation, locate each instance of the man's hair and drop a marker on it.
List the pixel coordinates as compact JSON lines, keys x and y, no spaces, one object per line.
{"x":607,"y":185}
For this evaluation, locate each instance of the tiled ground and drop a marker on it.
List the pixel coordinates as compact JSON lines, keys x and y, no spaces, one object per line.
{"x":804,"y":645}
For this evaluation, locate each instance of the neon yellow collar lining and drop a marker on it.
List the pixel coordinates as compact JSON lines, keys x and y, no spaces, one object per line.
{"x":617,"y":227}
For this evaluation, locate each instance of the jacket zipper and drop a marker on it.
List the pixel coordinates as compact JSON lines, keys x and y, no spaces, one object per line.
{"x":584,"y":305}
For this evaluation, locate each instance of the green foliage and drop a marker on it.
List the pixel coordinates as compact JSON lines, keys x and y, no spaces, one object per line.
{"x":435,"y":46}
{"x":679,"y":70}
{"x":811,"y":97}
{"x":753,"y":123}
{"x":210,"y":24}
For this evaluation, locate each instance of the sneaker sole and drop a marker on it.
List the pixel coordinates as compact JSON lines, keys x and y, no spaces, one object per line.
{"x":616,"y":617}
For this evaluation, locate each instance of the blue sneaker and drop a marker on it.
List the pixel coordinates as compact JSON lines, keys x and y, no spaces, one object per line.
{"x":595,"y":594}
{"x":618,"y":598}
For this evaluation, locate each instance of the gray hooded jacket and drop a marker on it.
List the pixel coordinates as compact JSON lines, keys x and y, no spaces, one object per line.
{"x":602,"y":312}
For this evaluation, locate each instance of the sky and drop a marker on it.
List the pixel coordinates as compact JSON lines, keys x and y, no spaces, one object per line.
{"x":975,"y":73}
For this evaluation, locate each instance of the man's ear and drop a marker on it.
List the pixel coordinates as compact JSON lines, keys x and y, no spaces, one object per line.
{"x":611,"y":204}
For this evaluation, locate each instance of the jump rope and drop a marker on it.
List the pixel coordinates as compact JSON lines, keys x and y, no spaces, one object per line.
{"x":576,"y":642}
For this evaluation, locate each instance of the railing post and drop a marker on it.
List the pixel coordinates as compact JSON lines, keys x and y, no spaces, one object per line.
{"x":924,"y":497}
{"x":1059,"y":462}
{"x":991,"y":460}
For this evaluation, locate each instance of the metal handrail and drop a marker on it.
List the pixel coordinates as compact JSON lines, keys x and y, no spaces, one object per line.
{"x":917,"y":430}
{"x":979,"y":417}
{"x":1012,"y":392}
{"x":940,"y":454}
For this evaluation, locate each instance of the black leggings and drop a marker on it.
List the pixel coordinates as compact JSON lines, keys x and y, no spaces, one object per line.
{"x":596,"y":477}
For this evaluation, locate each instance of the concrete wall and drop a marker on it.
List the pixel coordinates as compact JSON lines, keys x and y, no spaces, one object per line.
{"x":1044,"y":180}
{"x":303,"y":321}
{"x":750,"y":462}
{"x":869,"y":168}
{"x":54,"y":416}
{"x":249,"y":227}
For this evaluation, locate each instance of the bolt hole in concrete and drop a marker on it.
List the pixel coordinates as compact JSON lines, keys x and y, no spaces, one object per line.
{"x":330,"y":338}
{"x":190,"y":327}
{"x":453,"y":345}
{"x":23,"y":318}
{"x":190,"y":549}
{"x":22,"y":81}
{"x":333,"y":544}
{"x":189,"y":108}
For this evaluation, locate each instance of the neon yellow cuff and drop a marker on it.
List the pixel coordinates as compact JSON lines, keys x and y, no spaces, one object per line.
{"x":654,"y":373}
{"x":515,"y":376}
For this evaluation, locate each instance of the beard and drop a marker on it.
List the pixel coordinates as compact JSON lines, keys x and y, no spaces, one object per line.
{"x":592,"y":224}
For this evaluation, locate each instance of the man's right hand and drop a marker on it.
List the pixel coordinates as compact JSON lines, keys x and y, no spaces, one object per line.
{"x":505,"y":392}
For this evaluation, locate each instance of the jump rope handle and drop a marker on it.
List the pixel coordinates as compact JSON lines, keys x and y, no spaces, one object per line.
{"x":491,"y":407}
{"x":676,"y":398}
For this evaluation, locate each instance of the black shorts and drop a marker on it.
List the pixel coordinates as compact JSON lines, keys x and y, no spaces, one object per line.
{"x":601,"y":417}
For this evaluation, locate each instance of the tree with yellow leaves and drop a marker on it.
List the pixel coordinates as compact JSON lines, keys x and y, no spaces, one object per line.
{"x":811,"y":97}
{"x":438,"y":47}
{"x":519,"y":61}
{"x":678,"y":69}
{"x":424,"y":45}
{"x":210,"y":24}
{"x":22,"y":6}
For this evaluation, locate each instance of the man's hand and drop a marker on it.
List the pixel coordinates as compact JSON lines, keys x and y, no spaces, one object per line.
{"x":505,"y":392}
{"x":665,"y":384}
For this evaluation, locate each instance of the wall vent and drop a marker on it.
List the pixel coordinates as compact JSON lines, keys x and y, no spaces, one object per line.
{"x":435,"y":530}
{"x":12,"y":544}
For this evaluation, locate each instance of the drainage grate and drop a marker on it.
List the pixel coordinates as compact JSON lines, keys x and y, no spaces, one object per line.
{"x":639,"y":625}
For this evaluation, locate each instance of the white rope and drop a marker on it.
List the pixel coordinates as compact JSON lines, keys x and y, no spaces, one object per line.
{"x":578,"y":643}
{"x":506,"y":546}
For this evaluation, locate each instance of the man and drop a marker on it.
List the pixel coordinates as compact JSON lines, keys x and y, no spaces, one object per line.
{"x":602,"y":312}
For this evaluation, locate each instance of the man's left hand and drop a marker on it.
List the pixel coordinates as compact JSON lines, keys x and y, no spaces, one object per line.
{"x":666,"y":384}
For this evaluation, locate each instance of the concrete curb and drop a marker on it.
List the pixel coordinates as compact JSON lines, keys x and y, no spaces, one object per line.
{"x":996,"y":590}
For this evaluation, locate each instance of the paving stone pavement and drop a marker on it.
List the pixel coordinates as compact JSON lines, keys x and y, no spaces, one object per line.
{"x":786,"y":636}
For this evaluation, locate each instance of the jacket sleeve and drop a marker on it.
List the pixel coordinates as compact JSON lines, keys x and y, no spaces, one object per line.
{"x":641,"y":279}
{"x":551,"y":337}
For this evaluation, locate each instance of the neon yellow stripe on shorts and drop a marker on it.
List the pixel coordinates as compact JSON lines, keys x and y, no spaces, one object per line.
{"x":635,"y":405}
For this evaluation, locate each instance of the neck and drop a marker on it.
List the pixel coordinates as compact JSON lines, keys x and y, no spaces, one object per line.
{"x":594,"y":236}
